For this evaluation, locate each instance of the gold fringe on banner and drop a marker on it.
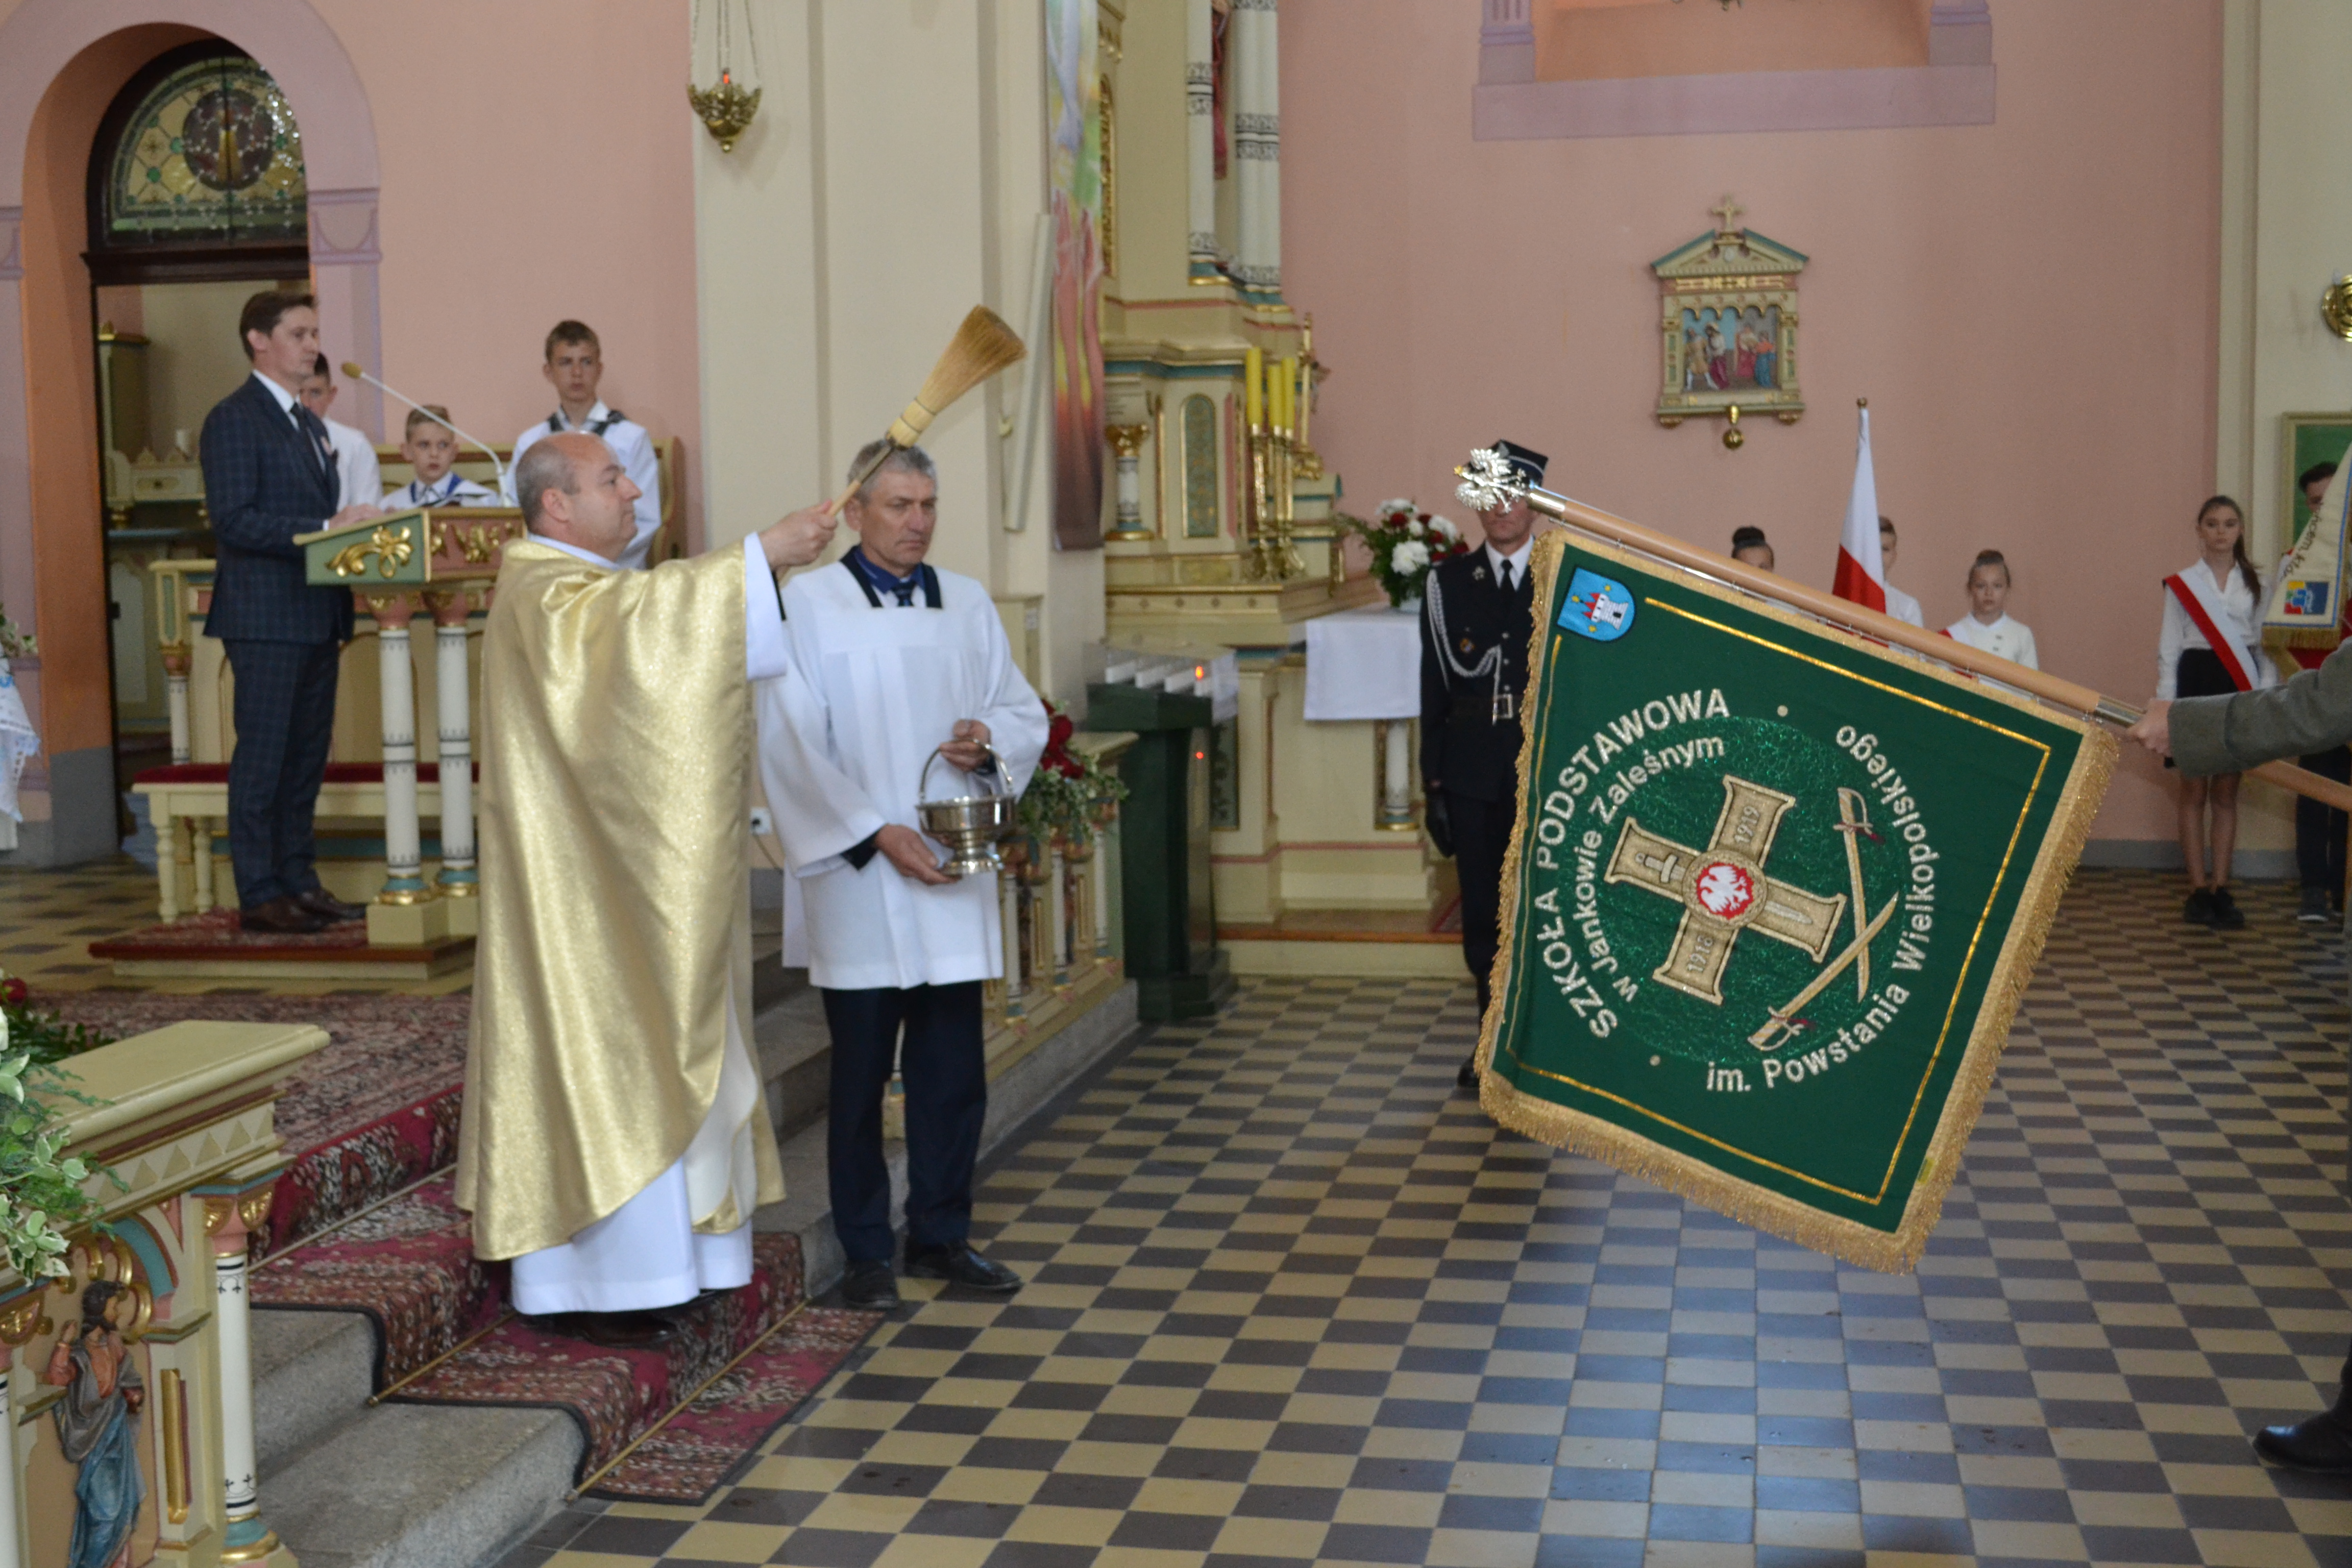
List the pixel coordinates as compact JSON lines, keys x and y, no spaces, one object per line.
{"x":1895,"y":1252}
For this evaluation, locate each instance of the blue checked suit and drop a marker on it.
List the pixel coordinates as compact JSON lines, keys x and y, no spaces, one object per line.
{"x":266,"y":482}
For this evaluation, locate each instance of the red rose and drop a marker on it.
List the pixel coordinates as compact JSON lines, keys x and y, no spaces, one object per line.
{"x":1059,"y":733}
{"x":14,"y":992}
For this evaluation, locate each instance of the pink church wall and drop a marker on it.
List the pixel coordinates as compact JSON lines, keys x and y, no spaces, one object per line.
{"x":2030,"y":307}
{"x":537,"y":164}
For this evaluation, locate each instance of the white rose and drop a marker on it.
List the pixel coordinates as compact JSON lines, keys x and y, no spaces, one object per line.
{"x":1408,"y":558}
{"x":1391,"y":508}
{"x":1443,"y":528}
{"x":1413,"y":526}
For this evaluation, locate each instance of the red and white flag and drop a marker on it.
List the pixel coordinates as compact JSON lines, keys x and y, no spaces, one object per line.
{"x":1861,"y":575}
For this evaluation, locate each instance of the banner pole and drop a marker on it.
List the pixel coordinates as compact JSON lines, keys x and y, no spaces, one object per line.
{"x":1884,"y":628}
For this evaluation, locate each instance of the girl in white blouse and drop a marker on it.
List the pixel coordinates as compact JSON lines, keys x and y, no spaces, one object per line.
{"x":1986,"y":626}
{"x":2218,"y":596}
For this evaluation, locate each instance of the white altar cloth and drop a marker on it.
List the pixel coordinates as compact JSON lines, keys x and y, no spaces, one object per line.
{"x":1364,"y":664}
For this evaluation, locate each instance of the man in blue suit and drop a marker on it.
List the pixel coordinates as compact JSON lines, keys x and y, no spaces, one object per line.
{"x":270,"y":474}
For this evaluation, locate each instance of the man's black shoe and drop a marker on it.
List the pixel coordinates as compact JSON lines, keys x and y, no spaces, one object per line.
{"x":1466,"y":1075}
{"x":319,"y":902}
{"x":960,"y":1265}
{"x":611,"y":1331}
{"x":870,"y":1286}
{"x":2314,"y":910}
{"x":287,"y":916}
{"x":2227,"y":915}
{"x":2321,"y":1445}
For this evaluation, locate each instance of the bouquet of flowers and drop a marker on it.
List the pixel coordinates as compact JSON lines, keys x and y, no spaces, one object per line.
{"x":1067,"y":786}
{"x":1406,"y":542}
{"x":15,"y":641}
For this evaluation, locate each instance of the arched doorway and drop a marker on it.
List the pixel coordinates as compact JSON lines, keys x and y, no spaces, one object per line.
{"x":62,"y":62}
{"x":196,"y":199}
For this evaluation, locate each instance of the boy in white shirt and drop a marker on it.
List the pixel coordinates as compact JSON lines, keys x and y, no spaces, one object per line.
{"x":362,"y":476}
{"x":1899,"y":605}
{"x":576,"y":364}
{"x":430,"y":445}
{"x":1986,"y":626}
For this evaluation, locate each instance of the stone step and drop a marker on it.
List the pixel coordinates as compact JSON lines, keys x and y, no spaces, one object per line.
{"x":456,"y":1487}
{"x":423,"y":1486}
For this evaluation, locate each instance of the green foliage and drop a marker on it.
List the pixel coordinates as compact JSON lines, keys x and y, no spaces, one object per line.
{"x":41,"y":1189}
{"x":1066,"y":788}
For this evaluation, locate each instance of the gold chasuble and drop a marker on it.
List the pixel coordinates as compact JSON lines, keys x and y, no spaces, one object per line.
{"x":616,"y":741}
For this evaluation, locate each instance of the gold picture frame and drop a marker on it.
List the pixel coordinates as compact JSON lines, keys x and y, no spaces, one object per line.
{"x":1727,"y":326}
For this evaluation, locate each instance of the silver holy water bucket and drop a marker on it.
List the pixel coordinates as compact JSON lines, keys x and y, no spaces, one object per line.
{"x":971,"y":826}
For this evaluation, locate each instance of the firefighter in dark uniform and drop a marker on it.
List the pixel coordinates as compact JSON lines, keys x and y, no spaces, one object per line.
{"x":1474,"y":675}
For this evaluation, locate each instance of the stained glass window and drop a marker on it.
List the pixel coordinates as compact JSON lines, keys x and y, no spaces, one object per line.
{"x":211,"y":153}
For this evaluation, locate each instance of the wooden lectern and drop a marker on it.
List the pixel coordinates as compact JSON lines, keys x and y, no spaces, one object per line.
{"x":442,"y":560}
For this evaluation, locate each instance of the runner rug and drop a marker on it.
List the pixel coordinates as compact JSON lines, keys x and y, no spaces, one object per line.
{"x":409,"y":1266}
{"x":373,"y":1113}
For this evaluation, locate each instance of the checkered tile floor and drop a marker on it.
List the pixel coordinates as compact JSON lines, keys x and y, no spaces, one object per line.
{"x":48,"y":919}
{"x":1295,"y":1301}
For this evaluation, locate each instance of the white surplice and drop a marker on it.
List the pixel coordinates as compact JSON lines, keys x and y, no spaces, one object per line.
{"x":843,"y":749}
{"x":647,"y":1253}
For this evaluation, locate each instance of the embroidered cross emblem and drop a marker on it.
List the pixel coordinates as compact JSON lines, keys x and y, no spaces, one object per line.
{"x":1724,"y":889}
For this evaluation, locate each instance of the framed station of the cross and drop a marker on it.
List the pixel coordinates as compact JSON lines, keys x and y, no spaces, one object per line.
{"x":1773,"y":894}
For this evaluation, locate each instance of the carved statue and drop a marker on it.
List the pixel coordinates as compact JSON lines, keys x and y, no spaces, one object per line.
{"x":98,"y":1427}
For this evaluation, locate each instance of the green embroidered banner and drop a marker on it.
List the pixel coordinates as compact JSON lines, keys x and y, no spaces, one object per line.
{"x":1774,"y":893}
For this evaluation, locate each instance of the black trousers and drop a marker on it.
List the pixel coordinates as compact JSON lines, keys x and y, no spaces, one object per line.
{"x":947,"y":1100}
{"x":2319,"y":829}
{"x":285,"y":722}
{"x":1482,"y":837}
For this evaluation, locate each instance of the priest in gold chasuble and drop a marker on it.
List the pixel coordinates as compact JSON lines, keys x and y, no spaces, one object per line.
{"x":615,"y":1140}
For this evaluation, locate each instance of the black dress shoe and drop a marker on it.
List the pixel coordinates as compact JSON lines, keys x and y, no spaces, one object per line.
{"x":870,"y":1286}
{"x":1466,"y":1075}
{"x":612,"y":1330}
{"x":318,"y":901}
{"x":2322,"y":1445}
{"x":960,"y":1265}
{"x":287,"y":916}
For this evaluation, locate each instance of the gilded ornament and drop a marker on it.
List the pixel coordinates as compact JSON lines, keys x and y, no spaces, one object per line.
{"x":2335,"y":307}
{"x":387,"y":549}
{"x":21,"y":1319}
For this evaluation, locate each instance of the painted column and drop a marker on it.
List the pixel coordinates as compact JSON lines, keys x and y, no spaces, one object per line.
{"x":453,"y":720}
{"x":1104,"y":841}
{"x":1507,"y":43}
{"x":1258,"y":143}
{"x":404,"y":854}
{"x":1201,"y":135}
{"x":1008,"y":909}
{"x":1127,"y":443}
{"x":175,"y":693}
{"x":1396,"y":774}
{"x":229,"y":1217}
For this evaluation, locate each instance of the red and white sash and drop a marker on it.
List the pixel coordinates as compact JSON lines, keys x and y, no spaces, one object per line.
{"x":2205,"y":611}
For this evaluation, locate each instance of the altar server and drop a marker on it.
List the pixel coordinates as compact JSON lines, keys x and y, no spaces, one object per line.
{"x":1986,"y":626}
{"x":1899,"y":605}
{"x":358,"y":474}
{"x":896,"y":660}
{"x":575,"y":368}
{"x":430,"y":448}
{"x":1475,"y":613}
{"x":615,"y":1142}
{"x":2209,"y":647}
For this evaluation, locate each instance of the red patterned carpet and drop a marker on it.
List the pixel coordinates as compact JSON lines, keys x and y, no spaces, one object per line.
{"x":410,"y":1267}
{"x":373,"y":1113}
{"x":684,"y":1461}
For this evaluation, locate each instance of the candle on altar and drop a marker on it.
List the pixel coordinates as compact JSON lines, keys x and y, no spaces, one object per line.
{"x":1254,"y":387}
{"x":1289,"y":419}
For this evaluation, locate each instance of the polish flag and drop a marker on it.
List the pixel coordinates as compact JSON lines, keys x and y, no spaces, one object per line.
{"x":1860,"y":576}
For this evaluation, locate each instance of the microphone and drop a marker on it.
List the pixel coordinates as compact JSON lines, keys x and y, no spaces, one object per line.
{"x":352,"y":368}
